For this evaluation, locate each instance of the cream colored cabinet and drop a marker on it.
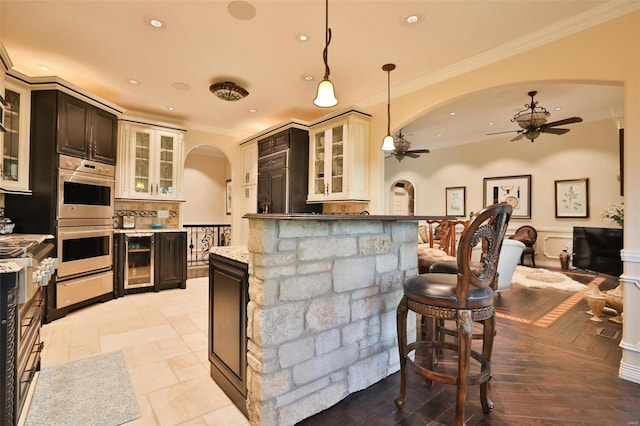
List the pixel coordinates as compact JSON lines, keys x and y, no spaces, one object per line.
{"x":338,"y":159}
{"x":250,"y":163}
{"x":249,"y":187}
{"x":150,"y":162}
{"x":15,"y":141}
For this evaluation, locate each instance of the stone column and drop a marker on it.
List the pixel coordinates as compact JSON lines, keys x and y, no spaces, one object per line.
{"x":321,"y":316}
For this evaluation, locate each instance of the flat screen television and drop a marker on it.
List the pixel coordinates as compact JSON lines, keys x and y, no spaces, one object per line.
{"x":597,"y":249}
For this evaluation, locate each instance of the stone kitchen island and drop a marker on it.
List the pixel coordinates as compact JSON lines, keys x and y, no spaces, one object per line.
{"x":323,"y":290}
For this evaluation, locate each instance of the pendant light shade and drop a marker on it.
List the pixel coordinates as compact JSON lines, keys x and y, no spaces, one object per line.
{"x":326,"y":96}
{"x":388,"y":143}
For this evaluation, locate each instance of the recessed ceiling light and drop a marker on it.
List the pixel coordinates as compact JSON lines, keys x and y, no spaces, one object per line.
{"x":171,"y":108}
{"x":44,"y":68}
{"x":156,"y":23}
{"x":491,"y":123}
{"x":302,"y":37}
{"x":452,"y":113}
{"x":134,"y":82}
{"x":558,"y":108}
{"x":252,"y":110}
{"x":307,"y":77}
{"x":412,"y":19}
{"x":439,"y":134}
{"x":180,"y":86}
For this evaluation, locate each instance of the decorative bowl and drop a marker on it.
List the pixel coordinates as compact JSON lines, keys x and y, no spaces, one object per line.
{"x":157,"y":225}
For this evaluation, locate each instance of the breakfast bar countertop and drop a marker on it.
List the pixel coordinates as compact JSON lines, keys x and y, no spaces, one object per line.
{"x":238,"y":253}
{"x":336,"y":217}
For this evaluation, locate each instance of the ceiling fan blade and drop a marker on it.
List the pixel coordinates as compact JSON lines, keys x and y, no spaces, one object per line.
{"x":553,"y":130}
{"x":569,"y":120}
{"x":517,"y":138}
{"x":420,"y":151}
{"x":507,"y":131}
{"x":411,"y":154}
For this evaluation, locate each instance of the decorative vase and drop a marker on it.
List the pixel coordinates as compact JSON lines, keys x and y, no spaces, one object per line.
{"x":615,"y":300}
{"x":596,"y":301}
{"x":564,"y":260}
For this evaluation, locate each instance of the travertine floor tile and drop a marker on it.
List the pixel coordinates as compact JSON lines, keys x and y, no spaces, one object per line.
{"x":187,"y":400}
{"x":164,"y":340}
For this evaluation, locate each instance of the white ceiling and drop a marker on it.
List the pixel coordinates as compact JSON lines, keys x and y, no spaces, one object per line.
{"x":100,"y":45}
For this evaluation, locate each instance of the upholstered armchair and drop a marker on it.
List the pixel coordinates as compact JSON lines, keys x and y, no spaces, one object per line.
{"x":527,"y":235}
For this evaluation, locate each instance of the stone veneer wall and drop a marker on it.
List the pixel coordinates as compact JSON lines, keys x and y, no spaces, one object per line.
{"x":321,"y":316}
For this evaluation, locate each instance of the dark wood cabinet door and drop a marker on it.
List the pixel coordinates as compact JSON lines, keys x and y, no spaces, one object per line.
{"x":278,"y":185}
{"x":86,"y":131}
{"x":228,"y":298}
{"x":170,"y":260}
{"x":104,"y":136}
{"x":74,"y":126}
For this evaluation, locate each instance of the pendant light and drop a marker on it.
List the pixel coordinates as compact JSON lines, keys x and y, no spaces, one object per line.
{"x":388,"y":143}
{"x":326,"y":95}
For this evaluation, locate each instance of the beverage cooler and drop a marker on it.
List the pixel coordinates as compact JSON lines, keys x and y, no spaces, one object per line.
{"x":138,"y":271}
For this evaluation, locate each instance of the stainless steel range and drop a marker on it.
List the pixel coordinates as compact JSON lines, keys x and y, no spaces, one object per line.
{"x":28,"y":268}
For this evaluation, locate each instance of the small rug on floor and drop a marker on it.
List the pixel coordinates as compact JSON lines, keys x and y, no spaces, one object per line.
{"x":91,"y":391}
{"x":543,"y":278}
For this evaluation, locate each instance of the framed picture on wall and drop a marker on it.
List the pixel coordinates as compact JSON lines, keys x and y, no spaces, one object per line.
{"x":515,"y":190}
{"x":455,"y":199}
{"x":228,"y":196}
{"x":572,"y":198}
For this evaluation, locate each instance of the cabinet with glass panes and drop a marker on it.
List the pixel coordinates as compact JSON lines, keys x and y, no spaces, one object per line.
{"x":150,"y":162}
{"x":15,"y":144}
{"x":338,"y":163}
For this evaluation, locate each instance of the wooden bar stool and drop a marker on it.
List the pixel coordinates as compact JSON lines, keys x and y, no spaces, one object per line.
{"x":464,"y":297}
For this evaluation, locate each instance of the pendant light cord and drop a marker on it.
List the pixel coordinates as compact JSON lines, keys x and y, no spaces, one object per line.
{"x":389,"y":103}
{"x":325,"y":52}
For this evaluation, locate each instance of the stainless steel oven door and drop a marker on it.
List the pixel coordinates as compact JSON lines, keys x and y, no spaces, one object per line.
{"x":82,"y":195}
{"x":84,"y":249}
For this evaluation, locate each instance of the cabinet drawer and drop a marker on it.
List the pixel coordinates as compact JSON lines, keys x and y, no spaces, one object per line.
{"x":273,"y":162}
{"x":81,"y":289}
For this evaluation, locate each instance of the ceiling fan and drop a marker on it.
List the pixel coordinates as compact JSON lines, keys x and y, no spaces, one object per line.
{"x":402,"y":148}
{"x":533,"y":122}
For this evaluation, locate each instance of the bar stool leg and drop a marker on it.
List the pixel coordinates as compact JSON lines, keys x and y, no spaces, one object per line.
{"x":489,"y":332}
{"x":401,"y":326}
{"x":464,"y":325}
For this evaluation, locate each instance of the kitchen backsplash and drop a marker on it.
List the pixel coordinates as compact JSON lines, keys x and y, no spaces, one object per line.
{"x":146,"y":213}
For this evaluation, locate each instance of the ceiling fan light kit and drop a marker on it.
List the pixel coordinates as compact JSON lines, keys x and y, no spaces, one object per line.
{"x":228,"y":91}
{"x":533,"y":121}
{"x":326,"y":96}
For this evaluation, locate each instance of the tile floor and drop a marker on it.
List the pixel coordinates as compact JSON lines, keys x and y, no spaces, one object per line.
{"x":164,"y":339}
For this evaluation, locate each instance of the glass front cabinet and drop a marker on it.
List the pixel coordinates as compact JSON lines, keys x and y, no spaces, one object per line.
{"x":150,"y":164}
{"x":15,"y":141}
{"x":338,"y":159}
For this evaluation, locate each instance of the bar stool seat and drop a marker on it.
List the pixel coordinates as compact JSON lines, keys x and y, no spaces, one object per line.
{"x":465,"y":297}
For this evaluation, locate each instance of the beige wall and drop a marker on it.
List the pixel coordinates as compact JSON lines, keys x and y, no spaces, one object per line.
{"x":204,"y":190}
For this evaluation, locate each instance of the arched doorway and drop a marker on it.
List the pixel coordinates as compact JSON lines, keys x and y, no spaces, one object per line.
{"x":402,"y":198}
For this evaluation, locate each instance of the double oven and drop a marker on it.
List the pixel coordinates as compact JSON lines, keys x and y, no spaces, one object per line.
{"x":85,"y":197}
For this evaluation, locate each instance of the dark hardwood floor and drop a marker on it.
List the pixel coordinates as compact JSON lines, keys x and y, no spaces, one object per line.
{"x":550,"y":367}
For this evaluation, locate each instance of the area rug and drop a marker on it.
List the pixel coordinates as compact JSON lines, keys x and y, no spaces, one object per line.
{"x":91,"y":391}
{"x":543,"y":278}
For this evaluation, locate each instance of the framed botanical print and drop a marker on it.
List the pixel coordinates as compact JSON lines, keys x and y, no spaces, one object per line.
{"x":455,"y":199}
{"x":572,"y":198}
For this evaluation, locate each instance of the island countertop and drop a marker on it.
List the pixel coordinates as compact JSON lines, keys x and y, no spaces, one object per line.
{"x":238,"y":253}
{"x":336,"y":217}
